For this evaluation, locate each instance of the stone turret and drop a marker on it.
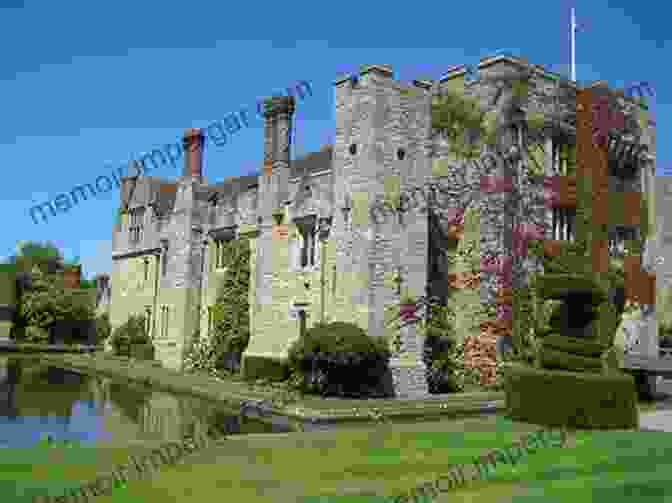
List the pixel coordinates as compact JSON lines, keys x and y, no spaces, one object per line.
{"x":370,"y":165}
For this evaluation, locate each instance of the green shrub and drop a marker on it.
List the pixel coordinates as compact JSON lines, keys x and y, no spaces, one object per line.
{"x":35,"y":335}
{"x":340,"y":359}
{"x":570,"y":399}
{"x":132,"y":332}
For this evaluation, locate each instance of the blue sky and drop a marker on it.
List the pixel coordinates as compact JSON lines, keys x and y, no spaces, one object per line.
{"x":89,"y":85}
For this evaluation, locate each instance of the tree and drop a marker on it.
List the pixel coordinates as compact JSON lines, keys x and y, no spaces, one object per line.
{"x":48,"y":301}
{"x":32,"y":253}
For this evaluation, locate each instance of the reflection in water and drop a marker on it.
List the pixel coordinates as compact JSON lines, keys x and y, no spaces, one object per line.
{"x":38,"y":400}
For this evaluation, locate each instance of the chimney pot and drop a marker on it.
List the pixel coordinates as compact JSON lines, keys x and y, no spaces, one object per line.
{"x":193,"y":153}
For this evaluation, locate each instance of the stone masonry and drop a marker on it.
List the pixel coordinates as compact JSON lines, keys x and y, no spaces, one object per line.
{"x":315,"y":247}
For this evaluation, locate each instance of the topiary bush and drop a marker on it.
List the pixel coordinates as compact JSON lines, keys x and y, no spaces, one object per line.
{"x":340,"y":359}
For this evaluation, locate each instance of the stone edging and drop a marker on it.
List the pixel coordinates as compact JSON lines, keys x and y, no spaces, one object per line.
{"x":137,"y":468}
{"x":31,"y":348}
{"x":264,"y":408}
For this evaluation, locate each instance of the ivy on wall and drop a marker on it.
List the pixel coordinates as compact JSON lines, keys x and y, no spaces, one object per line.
{"x":231,"y":315}
{"x":230,"y":329}
{"x":471,"y":129}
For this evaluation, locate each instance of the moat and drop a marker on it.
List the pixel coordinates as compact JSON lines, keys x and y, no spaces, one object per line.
{"x":38,"y":399}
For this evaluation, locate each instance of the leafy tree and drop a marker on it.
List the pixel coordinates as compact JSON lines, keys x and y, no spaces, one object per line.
{"x":48,"y":301}
{"x":45,"y":256}
{"x":87,"y":283}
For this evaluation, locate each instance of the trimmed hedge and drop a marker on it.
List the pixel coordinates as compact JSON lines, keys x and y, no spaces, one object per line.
{"x":570,"y":399}
{"x":142,"y":351}
{"x":263,"y":367}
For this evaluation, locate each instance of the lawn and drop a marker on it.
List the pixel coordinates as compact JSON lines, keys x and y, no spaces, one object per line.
{"x":284,"y":467}
{"x":28,"y":472}
{"x":321,"y":467}
{"x":388,"y":460}
{"x":603,"y":466}
{"x":383,"y":460}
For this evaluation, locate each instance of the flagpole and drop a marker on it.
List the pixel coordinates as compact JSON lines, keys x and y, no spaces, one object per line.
{"x":573,"y":45}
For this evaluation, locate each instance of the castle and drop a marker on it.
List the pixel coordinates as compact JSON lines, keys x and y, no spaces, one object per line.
{"x":317,"y":253}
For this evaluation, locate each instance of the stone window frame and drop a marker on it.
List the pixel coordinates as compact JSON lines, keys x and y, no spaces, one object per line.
{"x":618,"y":235}
{"x":219,"y":238}
{"x":625,"y":170}
{"x":136,"y":224}
{"x":563,"y":224}
{"x":165,"y":315}
{"x":560,"y":157}
{"x":308,"y":224}
{"x":148,"y":320}
{"x":218,"y":248}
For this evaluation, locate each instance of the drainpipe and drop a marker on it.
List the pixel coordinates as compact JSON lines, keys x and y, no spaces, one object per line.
{"x":161,"y":256}
{"x":322,"y":281}
{"x":204,"y":247}
{"x":157,"y":271}
{"x":324,"y":230}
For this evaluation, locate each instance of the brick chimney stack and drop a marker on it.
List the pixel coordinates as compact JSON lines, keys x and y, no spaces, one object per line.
{"x":193,"y":153}
{"x":72,"y":276}
{"x":278,"y":112}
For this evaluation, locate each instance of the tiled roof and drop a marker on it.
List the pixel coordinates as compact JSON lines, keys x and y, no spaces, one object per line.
{"x":310,"y":163}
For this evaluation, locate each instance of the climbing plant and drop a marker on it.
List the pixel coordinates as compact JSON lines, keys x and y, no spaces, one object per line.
{"x":462,"y":122}
{"x":230,"y":329}
{"x":231,"y":315}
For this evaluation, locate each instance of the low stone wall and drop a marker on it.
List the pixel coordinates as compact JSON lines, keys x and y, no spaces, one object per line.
{"x":12,"y":347}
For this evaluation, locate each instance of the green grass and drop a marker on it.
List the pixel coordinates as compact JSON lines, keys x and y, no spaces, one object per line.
{"x":604,"y":466}
{"x":286,"y":467}
{"x":26,"y":472}
{"x":355,"y":465}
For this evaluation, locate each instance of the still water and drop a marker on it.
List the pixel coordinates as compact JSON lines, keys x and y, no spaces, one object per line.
{"x":37,"y":400}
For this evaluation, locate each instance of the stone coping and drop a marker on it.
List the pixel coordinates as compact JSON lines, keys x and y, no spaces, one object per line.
{"x":305,"y":414}
{"x":12,"y":347}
